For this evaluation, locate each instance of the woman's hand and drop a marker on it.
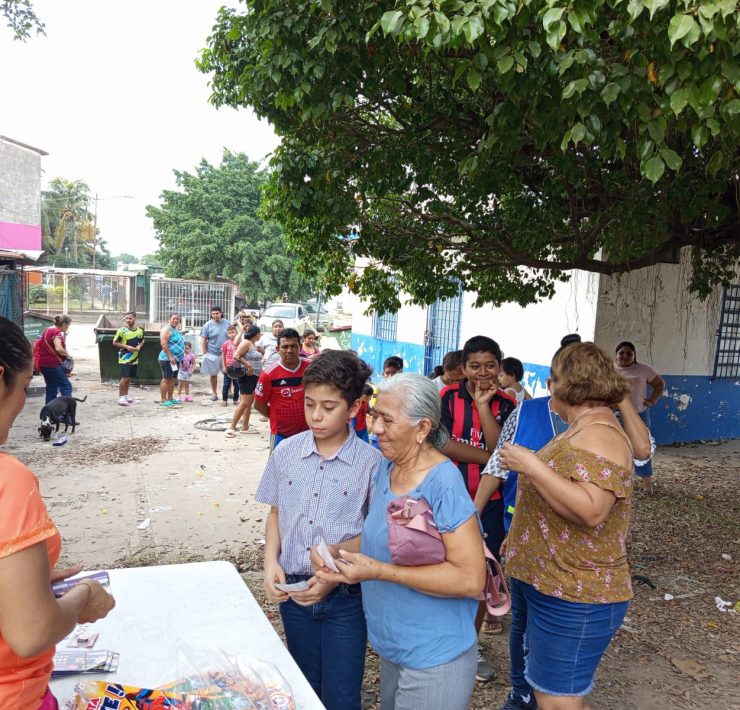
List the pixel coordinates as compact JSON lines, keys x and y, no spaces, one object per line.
{"x":274,"y":575}
{"x":98,"y":605}
{"x":172,"y":360}
{"x":316,"y":592}
{"x":354,"y":567}
{"x":64,"y":573}
{"x":517,"y":458}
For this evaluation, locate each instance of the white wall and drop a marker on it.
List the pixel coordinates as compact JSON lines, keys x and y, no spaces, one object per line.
{"x":532,"y":333}
{"x":672,"y":330}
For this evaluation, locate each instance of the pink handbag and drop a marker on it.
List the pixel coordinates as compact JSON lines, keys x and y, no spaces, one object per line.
{"x":413,"y":540}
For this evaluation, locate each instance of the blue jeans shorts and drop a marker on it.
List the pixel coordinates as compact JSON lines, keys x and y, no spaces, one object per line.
{"x":564,"y":641}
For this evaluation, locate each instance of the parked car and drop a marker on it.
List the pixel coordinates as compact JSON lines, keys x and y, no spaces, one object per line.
{"x":293,"y":315}
{"x":325,"y":319}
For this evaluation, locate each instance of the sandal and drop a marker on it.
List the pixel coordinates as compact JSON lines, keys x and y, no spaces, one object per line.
{"x":230,"y":433}
{"x":492,"y":628}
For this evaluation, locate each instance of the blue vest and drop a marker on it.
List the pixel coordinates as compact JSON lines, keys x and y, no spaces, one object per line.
{"x":534,"y":428}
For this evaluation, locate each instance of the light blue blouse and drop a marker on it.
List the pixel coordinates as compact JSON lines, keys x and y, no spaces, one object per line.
{"x":405,"y":626}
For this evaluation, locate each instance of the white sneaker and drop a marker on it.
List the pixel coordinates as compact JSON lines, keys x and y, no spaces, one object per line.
{"x":130,"y":400}
{"x":123,"y":401}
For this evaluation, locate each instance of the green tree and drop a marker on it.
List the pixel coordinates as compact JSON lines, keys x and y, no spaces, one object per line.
{"x":125,"y":259}
{"x":212,"y":227}
{"x":21,"y":19}
{"x":501,"y":143}
{"x":151,"y":260}
{"x":67,"y":225}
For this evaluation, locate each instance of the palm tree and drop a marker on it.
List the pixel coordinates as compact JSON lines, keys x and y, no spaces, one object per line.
{"x":65,"y":218}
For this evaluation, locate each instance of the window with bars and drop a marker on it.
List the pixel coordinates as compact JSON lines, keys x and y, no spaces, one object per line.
{"x":385,"y":326}
{"x":727,"y":355}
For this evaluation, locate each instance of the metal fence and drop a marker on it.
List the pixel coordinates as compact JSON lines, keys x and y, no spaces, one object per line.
{"x":11,"y":295}
{"x":192,"y":300}
{"x":75,"y":292}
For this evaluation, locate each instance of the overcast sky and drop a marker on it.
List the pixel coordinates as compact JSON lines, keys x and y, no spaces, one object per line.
{"x":112,"y":94}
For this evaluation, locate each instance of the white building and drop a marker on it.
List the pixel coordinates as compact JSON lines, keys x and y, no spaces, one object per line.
{"x":694,"y":345}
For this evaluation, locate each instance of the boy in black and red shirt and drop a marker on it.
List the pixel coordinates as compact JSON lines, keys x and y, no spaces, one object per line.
{"x":279,"y":393}
{"x":474,"y":411}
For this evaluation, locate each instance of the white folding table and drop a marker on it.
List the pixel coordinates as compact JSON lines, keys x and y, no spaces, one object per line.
{"x":204,"y":606}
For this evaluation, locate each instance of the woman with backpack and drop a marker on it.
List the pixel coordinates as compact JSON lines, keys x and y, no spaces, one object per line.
{"x":53,"y":360}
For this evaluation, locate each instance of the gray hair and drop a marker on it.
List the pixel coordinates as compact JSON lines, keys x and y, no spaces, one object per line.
{"x":420,"y":400}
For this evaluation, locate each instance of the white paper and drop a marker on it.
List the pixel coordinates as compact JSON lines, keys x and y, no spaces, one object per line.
{"x":325,"y":555}
{"x":295,"y":587}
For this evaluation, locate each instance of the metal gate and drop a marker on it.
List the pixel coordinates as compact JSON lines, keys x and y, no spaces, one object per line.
{"x":727,"y":354}
{"x":443,"y":330}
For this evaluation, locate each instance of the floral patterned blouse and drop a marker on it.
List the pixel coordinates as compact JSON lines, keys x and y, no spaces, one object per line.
{"x":561,"y":558}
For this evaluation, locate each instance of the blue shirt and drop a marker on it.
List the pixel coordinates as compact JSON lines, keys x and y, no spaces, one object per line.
{"x":215,"y":335}
{"x":317,"y":496}
{"x":407,"y":627}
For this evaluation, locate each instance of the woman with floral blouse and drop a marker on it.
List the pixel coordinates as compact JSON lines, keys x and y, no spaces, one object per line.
{"x":567,"y":544}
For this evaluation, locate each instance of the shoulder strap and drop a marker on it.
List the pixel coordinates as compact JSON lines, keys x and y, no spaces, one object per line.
{"x":48,"y":345}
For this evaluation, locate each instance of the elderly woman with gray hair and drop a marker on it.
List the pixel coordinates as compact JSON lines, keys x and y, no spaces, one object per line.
{"x":420,"y":619}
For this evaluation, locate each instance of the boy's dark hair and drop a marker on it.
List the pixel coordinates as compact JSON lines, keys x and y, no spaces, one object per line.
{"x":569,"y":339}
{"x":340,"y":369}
{"x":368,"y":391}
{"x":438,"y":371}
{"x":481,"y":344}
{"x":393,"y":361}
{"x":15,"y":351}
{"x":452,"y":360}
{"x":288,"y":334}
{"x":512,"y":366}
{"x":216,"y":308}
{"x":130,"y":313}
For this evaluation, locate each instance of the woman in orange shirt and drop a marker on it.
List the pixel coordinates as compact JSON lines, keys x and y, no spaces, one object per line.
{"x":31,"y":619}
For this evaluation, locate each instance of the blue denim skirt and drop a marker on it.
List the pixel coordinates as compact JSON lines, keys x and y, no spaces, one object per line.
{"x":564,"y":641}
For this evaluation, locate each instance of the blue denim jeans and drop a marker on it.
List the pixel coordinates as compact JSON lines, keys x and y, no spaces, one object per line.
{"x":327,"y":641}
{"x":519,"y":684}
{"x":646,"y":470}
{"x":230,"y":384}
{"x":564,"y":641}
{"x":56,"y":382}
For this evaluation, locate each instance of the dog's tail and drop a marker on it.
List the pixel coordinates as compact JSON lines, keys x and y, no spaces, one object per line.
{"x":80,"y":400}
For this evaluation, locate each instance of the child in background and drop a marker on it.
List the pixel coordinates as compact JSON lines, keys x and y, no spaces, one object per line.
{"x":185,"y":374}
{"x":510,"y":378}
{"x":227,"y":357}
{"x":451,"y":370}
{"x":391,"y":366}
{"x":360,"y":420}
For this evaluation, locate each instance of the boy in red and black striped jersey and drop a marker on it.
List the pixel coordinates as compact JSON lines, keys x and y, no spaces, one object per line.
{"x":474,"y":411}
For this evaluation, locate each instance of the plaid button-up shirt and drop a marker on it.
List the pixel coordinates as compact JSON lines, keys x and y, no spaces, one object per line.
{"x":316,"y":495}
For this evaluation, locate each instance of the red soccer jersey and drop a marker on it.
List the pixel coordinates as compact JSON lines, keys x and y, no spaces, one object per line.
{"x":282,"y":390}
{"x":460,"y":417}
{"x":361,"y":416}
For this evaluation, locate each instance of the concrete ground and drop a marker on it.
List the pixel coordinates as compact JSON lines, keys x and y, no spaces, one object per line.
{"x":125,"y":466}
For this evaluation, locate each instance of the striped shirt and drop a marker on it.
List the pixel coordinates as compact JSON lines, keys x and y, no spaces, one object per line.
{"x":460,"y":417}
{"x":316,"y":495}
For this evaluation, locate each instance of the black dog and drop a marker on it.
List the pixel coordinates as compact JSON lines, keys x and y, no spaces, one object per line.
{"x":62,"y":410}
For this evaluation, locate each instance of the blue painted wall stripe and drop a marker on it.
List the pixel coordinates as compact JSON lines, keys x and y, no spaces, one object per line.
{"x":692,"y":407}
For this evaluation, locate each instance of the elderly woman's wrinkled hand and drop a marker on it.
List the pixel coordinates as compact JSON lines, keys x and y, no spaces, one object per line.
{"x":354,"y":567}
{"x":517,"y":458}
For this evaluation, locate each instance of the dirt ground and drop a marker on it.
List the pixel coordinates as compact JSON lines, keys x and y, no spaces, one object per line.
{"x":143,"y":485}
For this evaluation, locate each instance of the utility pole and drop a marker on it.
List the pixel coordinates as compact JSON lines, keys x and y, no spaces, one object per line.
{"x":95,"y":231}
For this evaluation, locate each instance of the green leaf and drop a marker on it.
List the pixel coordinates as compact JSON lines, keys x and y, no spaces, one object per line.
{"x":732,"y":108}
{"x":656,"y":131}
{"x":442,"y":22}
{"x":635,"y":8}
{"x":700,"y":135}
{"x":534,"y":48}
{"x":391,"y":21}
{"x":421,"y":25}
{"x":551,"y":17}
{"x":566,"y":140}
{"x":555,"y":36}
{"x":610,"y":92}
{"x":679,"y":27}
{"x":505,"y":64}
{"x":578,"y":132}
{"x":679,"y":99}
{"x":644,"y":112}
{"x":577,"y":85}
{"x":654,"y":169}
{"x":671,"y":158}
{"x":646,"y":150}
{"x":709,"y":91}
{"x":655,"y":5}
{"x":473,"y":29}
{"x":474,"y":78}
